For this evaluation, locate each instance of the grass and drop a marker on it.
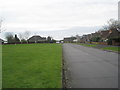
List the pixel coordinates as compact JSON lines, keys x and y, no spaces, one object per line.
{"x":0,"y":66}
{"x":112,"y":48}
{"x":105,"y":48}
{"x":32,"y":66}
{"x":87,"y":45}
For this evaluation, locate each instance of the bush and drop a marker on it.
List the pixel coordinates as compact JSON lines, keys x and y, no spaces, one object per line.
{"x":111,"y":39}
{"x":95,"y":39}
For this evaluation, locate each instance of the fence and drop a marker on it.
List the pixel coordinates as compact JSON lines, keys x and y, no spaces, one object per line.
{"x":105,"y":43}
{"x":115,"y":43}
{"x":100,"y":43}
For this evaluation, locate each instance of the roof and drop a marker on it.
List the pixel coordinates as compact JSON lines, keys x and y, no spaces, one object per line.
{"x":1,"y":40}
{"x":110,"y":33}
{"x":96,"y":34}
{"x":37,"y":38}
{"x":115,"y":33}
{"x":67,"y":38}
{"x":105,"y":34}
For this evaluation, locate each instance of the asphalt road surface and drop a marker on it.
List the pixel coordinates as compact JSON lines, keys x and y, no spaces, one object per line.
{"x":89,"y":67}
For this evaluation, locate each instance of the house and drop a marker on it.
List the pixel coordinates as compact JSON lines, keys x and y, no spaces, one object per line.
{"x":114,"y":34}
{"x":114,"y":37}
{"x":69,"y":39}
{"x":104,"y":35}
{"x":83,"y":39}
{"x":37,"y":39}
{"x":75,"y":40}
{"x":88,"y":37}
{"x":96,"y":34}
{"x":1,"y":41}
{"x":108,"y":34}
{"x":111,"y":37}
{"x":78,"y":38}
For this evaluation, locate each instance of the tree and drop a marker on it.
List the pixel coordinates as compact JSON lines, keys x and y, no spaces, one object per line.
{"x":10,"y":38}
{"x":1,"y":25}
{"x":95,"y":39}
{"x":23,"y":41}
{"x":16,"y":39}
{"x":53,"y":40}
{"x":21,"y":37}
{"x":49,"y":39}
{"x":26,"y":35}
{"x":112,"y":25}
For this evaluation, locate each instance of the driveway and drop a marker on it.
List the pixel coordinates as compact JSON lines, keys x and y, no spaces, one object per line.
{"x":90,"y":67}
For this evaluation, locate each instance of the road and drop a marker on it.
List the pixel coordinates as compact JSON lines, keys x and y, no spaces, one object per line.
{"x":89,"y":67}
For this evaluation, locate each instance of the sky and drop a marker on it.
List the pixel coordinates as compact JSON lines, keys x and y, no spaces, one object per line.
{"x":55,"y":15}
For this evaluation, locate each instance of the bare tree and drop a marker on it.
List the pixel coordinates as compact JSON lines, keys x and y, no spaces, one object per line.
{"x":49,"y":39}
{"x":112,"y":25}
{"x":9,"y":37}
{"x":1,"y":25}
{"x":26,"y":35}
{"x":21,"y":37}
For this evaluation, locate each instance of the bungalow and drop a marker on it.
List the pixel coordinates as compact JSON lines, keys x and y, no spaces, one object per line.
{"x":69,"y":39}
{"x":89,"y":37}
{"x":104,"y":35}
{"x":114,"y":34}
{"x":96,"y":34}
{"x":110,"y":37}
{"x":114,"y":37}
{"x":108,"y":34}
{"x":1,"y":41}
{"x":37,"y":39}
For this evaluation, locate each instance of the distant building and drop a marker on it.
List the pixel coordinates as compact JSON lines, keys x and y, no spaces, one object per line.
{"x":1,"y":41}
{"x":78,"y":38}
{"x":37,"y":39}
{"x":114,"y":34}
{"x":69,"y":39}
{"x":105,"y":35}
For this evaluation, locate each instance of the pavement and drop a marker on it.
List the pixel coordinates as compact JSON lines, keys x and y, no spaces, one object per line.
{"x":89,"y":67}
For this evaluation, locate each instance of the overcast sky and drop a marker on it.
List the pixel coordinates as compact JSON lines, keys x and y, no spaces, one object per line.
{"x":46,"y":15}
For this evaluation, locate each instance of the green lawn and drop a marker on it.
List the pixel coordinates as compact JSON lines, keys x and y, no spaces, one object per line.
{"x":32,"y":66}
{"x":112,"y":48}
{"x":0,"y":67}
{"x":87,"y":45}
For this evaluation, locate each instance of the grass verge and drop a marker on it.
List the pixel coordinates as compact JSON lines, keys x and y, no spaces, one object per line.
{"x":117,"y":49}
{"x":32,"y":66}
{"x":87,"y":45}
{"x":112,"y":48}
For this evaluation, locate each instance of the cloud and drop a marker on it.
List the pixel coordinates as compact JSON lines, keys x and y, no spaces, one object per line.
{"x":56,"y":14}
